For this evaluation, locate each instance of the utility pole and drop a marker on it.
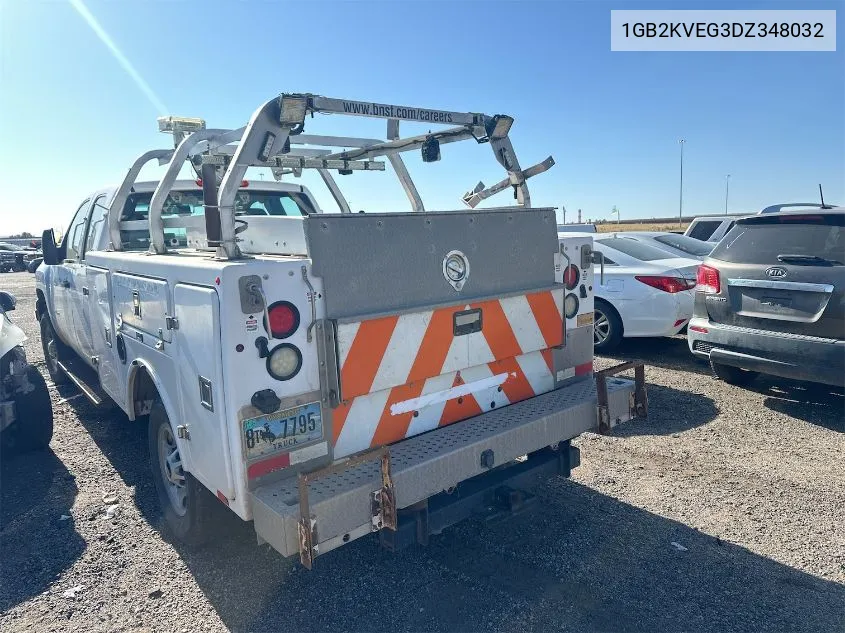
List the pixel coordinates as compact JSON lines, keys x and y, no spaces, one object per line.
{"x":563,"y":207}
{"x":681,"y":201}
{"x":579,"y":216}
{"x":727,"y":182}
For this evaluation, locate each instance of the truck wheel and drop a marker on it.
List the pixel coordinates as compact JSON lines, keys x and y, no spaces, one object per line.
{"x":54,"y":351}
{"x":733,"y":375}
{"x":184,"y":502}
{"x":607,"y":327}
{"x":33,"y":426}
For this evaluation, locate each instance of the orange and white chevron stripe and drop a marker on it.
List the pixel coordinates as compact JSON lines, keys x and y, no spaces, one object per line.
{"x":406,"y":374}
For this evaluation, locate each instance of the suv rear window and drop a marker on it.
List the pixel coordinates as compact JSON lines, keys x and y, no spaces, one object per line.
{"x":763,"y":242}
{"x":704,"y":229}
{"x":684,"y":243}
{"x":637,"y":250}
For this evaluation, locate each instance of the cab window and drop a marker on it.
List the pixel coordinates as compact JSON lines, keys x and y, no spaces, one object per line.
{"x":76,"y":232}
{"x":96,"y":226}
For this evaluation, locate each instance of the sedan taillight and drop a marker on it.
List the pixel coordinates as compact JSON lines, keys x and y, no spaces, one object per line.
{"x":665,"y":283}
{"x":707,"y":279}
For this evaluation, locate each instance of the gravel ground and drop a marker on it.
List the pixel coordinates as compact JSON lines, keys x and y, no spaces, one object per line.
{"x":723,"y":511}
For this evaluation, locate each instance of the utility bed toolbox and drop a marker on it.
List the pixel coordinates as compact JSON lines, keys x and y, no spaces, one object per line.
{"x":341,"y":504}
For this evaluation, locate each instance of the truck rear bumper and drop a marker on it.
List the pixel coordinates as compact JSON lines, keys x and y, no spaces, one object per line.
{"x":341,"y":504}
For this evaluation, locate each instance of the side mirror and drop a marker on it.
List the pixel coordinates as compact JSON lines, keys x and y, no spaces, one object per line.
{"x":7,"y":301}
{"x":49,"y":248}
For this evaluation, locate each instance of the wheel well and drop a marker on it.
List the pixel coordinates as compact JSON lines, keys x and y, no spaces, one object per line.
{"x":142,"y":391}
{"x":612,"y":309}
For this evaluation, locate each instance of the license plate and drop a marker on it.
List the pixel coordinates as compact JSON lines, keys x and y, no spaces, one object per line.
{"x":283,"y":430}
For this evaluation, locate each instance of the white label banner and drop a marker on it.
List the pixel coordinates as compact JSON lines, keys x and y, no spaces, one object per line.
{"x":725,"y":30}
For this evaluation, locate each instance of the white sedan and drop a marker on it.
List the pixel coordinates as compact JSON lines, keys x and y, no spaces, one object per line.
{"x":646,"y":291}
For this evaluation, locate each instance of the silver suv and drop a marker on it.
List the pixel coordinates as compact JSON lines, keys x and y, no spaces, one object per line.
{"x":770,"y":299}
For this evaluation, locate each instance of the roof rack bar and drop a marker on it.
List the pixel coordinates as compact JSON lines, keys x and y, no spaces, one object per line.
{"x":182,"y":152}
{"x":122,"y":193}
{"x":405,"y":144}
{"x":384,"y":111}
{"x":472,"y":198}
{"x":264,"y":136}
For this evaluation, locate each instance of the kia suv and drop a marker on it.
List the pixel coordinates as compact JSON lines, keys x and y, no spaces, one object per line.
{"x":770,"y":299}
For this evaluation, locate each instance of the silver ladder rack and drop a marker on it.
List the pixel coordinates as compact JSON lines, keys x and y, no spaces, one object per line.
{"x":275,"y":138}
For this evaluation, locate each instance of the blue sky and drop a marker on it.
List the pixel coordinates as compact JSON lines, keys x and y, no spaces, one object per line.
{"x":74,"y":118}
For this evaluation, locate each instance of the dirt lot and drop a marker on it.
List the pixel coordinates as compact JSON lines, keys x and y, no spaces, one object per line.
{"x":723,"y":511}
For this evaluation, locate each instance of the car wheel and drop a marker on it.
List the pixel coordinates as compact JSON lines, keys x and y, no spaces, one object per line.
{"x":54,"y":351}
{"x":607,"y":327}
{"x":33,"y":426}
{"x":733,"y":375}
{"x":185,"y":503}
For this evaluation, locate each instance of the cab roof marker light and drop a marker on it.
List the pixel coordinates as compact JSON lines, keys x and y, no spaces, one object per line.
{"x":180,"y":124}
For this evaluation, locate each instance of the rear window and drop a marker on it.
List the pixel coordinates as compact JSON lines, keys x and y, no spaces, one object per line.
{"x":762,"y":243}
{"x":704,"y":229}
{"x":635,"y":249}
{"x":686,"y":244}
{"x":189,"y":203}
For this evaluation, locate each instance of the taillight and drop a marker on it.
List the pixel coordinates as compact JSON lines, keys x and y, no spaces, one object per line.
{"x":284,"y":319}
{"x":571,"y":276}
{"x":707,"y":279}
{"x":666,"y":284}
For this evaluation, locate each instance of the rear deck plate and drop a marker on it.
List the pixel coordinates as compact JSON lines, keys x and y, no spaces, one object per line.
{"x":282,"y":430}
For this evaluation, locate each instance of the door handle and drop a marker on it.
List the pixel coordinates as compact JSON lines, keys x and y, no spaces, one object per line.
{"x":85,"y":291}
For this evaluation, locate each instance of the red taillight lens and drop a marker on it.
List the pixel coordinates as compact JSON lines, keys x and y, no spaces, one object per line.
{"x":707,"y":279}
{"x":571,"y":276}
{"x":666,"y":284}
{"x":284,"y":319}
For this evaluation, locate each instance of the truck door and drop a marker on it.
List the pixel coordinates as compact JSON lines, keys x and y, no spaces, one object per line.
{"x":64,"y":277}
{"x":82,"y":299}
{"x":102,"y":331}
{"x":200,"y":372}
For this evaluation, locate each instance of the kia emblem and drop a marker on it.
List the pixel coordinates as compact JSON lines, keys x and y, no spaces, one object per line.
{"x":776,"y":272}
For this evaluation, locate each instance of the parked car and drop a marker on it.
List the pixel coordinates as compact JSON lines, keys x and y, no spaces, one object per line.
{"x":26,"y":413}
{"x":33,"y":264}
{"x":15,"y":258}
{"x":645,"y":292}
{"x":711,"y":228}
{"x":677,"y":245}
{"x":771,"y":299}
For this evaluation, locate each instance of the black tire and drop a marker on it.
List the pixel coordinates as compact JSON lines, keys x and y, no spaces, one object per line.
{"x":32,"y":429}
{"x":733,"y":375}
{"x":190,"y":518}
{"x":48,"y":337}
{"x":607,"y":327}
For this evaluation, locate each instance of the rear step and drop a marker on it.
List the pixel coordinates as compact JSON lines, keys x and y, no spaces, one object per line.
{"x":94,"y":395}
{"x":349,"y":499}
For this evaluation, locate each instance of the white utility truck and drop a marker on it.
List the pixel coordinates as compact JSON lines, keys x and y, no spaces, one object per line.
{"x":328,"y":375}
